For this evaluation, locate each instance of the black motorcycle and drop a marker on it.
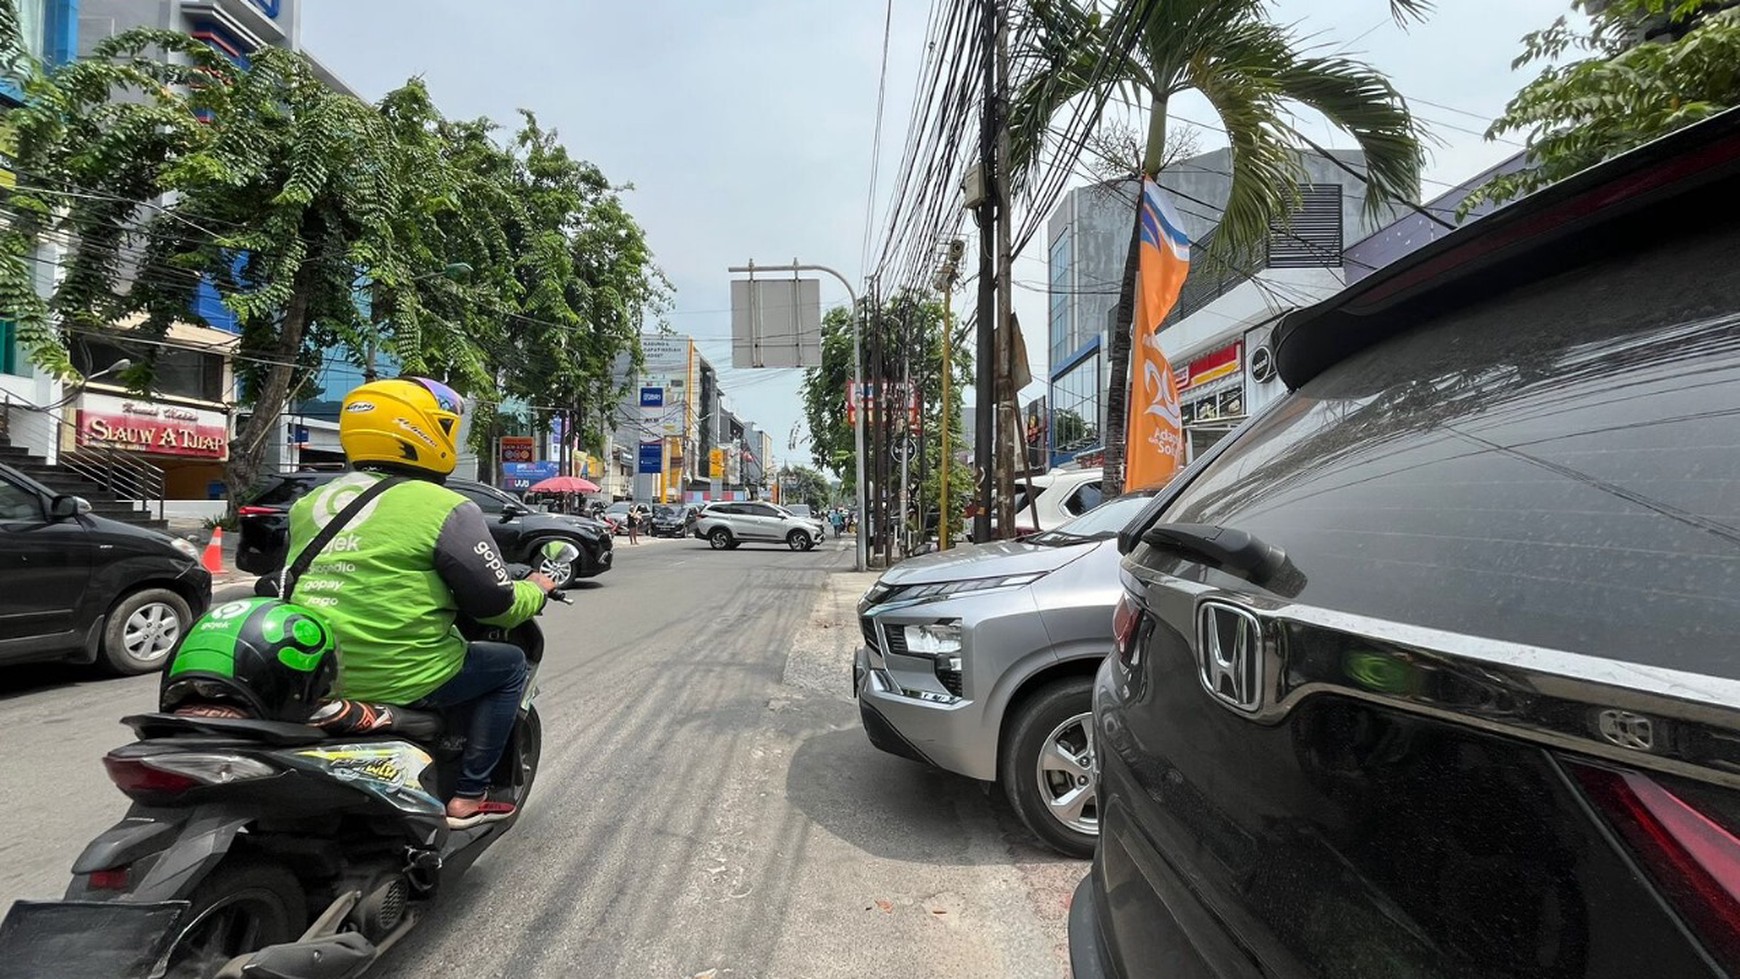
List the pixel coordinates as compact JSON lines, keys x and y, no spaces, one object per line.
{"x":241,"y":831}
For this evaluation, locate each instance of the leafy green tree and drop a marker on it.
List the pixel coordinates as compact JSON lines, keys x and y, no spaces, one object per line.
{"x":805,"y":485}
{"x":906,"y":322}
{"x":1254,"y":73}
{"x":325,"y":224}
{"x":163,"y":172}
{"x":1648,"y":67}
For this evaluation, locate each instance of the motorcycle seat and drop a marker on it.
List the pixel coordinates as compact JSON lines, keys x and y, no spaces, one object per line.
{"x":155,"y":725}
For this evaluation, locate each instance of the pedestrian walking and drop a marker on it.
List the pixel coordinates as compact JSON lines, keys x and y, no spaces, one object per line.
{"x":633,"y":525}
{"x":838,"y":519}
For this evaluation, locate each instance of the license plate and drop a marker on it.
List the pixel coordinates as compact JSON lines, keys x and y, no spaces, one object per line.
{"x":86,"y":939}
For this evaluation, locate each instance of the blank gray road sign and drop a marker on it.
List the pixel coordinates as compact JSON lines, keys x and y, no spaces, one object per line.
{"x":776,"y":323}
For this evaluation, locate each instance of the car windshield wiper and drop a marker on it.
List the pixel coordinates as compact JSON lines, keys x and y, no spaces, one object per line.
{"x":1232,"y":551}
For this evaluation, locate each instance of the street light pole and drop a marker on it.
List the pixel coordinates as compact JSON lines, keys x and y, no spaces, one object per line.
{"x":859,"y":560}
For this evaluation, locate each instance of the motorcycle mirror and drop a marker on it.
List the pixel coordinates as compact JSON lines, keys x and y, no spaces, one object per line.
{"x":559,"y":552}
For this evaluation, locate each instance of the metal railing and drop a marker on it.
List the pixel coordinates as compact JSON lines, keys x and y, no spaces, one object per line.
{"x":122,"y":474}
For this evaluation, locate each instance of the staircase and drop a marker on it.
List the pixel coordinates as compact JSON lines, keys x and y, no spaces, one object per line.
{"x":117,"y":484}
{"x":104,"y":502}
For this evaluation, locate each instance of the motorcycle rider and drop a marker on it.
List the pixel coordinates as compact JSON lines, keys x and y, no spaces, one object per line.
{"x":394,"y":580}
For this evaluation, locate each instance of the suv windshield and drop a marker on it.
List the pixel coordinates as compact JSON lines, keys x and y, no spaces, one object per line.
{"x":1099,"y":523}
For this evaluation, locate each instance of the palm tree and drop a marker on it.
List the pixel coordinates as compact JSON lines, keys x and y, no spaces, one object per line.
{"x":1253,"y":72}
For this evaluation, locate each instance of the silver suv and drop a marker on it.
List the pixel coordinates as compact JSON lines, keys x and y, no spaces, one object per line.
{"x":980,"y":660}
{"x":727,"y":525}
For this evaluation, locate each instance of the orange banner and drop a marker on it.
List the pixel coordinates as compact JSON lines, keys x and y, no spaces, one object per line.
{"x":1155,"y":450}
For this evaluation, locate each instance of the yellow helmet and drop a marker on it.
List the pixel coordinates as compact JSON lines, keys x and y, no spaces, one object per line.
{"x":408,"y":422}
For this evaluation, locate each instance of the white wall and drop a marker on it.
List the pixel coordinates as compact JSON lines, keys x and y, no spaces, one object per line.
{"x":1247,"y":305}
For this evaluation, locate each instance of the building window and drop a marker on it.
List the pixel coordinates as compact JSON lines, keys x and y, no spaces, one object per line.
{"x":179,"y":372}
{"x":1075,"y":408}
{"x":33,"y":26}
{"x":339,"y":376}
{"x":12,"y":359}
{"x":1062,"y":343}
{"x":1309,"y":237}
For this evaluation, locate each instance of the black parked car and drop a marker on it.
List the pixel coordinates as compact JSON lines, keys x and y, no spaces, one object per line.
{"x":79,"y":587}
{"x":1430,"y":669}
{"x":518,"y":530}
{"x":672,"y":519}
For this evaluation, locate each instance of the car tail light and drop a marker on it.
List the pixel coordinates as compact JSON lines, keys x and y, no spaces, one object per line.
{"x":173,"y":774}
{"x":1125,"y":618}
{"x":112,"y":879}
{"x":256,"y":511}
{"x":1694,"y":858}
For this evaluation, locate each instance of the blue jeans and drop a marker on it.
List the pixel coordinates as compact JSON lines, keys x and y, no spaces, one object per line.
{"x":492,"y":679}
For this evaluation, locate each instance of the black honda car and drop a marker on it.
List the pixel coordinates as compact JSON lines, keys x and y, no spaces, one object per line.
{"x":517,"y":529}
{"x":1430,"y":669}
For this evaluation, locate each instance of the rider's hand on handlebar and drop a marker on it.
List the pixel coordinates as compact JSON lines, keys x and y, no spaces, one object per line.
{"x":544,"y":582}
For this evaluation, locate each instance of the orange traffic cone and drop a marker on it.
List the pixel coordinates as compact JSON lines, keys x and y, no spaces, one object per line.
{"x":213,"y":559}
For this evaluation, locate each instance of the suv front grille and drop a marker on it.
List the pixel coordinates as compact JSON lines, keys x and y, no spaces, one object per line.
{"x":868,"y":626}
{"x":896,"y":640}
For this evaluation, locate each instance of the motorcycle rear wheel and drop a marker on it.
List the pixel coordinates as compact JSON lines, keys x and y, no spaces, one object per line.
{"x":244,"y":906}
{"x":531,"y":748}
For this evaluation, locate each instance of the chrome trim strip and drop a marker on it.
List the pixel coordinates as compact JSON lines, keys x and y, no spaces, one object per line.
{"x":1552,"y":697}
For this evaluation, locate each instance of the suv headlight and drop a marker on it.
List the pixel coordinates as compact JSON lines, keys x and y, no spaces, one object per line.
{"x":934,"y":639}
{"x":185,"y":547}
{"x":949,"y":589}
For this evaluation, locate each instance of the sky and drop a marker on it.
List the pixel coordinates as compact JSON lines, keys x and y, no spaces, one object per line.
{"x":746,"y":128}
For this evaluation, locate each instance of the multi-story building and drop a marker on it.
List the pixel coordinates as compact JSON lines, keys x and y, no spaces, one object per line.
{"x":671,"y":414}
{"x":50,"y":34}
{"x":1205,"y":337}
{"x":307,"y":431}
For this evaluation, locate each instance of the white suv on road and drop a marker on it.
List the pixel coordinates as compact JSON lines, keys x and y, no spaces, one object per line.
{"x":726,"y":525}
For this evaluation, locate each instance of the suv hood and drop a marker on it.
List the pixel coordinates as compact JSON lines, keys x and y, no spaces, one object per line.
{"x":985,"y":561}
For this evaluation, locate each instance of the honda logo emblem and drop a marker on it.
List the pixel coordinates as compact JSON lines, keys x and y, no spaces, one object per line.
{"x":1229,"y":642}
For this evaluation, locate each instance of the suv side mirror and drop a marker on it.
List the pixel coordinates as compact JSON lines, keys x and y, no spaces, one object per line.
{"x":512,"y":510}
{"x":68,"y":507}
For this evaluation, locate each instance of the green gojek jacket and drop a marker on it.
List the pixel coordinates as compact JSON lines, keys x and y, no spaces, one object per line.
{"x":395,"y":579}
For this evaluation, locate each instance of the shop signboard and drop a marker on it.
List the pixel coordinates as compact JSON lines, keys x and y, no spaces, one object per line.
{"x":1211,"y":366}
{"x":652,"y":458}
{"x":517,"y":448}
{"x":154,"y":427}
{"x":521,"y":476}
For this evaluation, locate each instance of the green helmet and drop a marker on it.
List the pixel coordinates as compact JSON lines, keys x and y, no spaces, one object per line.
{"x":274,"y":659}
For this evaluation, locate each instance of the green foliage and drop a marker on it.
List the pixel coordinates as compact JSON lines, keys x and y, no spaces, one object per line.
{"x":804,"y":485}
{"x":906,"y":322}
{"x":324,"y":223}
{"x":1623,"y":92}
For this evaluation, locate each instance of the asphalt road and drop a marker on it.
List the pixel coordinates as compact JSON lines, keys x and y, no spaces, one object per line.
{"x":708,"y":805}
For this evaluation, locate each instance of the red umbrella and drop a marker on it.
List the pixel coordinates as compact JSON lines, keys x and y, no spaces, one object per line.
{"x":564,"y":484}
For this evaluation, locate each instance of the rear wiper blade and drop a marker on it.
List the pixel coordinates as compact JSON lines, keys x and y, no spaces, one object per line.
{"x":1232,"y":551}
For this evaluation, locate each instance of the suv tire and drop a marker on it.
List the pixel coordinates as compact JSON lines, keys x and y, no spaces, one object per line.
{"x":151,"y":619}
{"x":797,"y":540}
{"x":1057,"y":716}
{"x":720,"y":538}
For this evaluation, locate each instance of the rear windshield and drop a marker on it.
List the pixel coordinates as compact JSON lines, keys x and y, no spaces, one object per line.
{"x":1559,"y":468}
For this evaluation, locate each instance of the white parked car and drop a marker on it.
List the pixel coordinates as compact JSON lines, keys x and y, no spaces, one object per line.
{"x":1059,"y":496}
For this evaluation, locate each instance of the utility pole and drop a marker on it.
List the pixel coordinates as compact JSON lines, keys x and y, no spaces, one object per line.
{"x":951,"y":271}
{"x":1009,"y":410}
{"x":985,"y":379}
{"x":904,"y":433}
